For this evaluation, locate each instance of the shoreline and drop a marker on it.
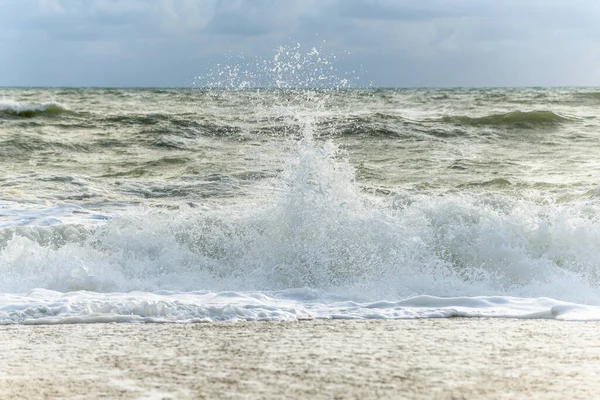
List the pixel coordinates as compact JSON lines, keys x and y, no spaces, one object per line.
{"x":414,"y":359}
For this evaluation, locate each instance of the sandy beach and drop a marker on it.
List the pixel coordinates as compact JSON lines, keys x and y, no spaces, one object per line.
{"x":335,"y":199}
{"x":412,"y":359}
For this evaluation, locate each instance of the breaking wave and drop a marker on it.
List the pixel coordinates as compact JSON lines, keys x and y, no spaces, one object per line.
{"x":318,"y":248}
{"x":307,"y":241}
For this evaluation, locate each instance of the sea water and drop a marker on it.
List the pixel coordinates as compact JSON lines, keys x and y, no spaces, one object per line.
{"x":276,"y":201}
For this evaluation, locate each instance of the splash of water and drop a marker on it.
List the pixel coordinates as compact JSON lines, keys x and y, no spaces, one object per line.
{"x":314,"y":238}
{"x":318,"y":230}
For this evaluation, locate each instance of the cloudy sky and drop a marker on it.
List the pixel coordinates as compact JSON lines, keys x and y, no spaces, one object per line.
{"x":393,"y":43}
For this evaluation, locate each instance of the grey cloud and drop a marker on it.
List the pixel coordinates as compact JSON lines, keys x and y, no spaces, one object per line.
{"x":399,"y":42}
{"x":380,"y":9}
{"x":247,"y":17}
{"x":407,"y":10}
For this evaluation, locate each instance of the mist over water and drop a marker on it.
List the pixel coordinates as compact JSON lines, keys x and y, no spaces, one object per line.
{"x":297,"y":201}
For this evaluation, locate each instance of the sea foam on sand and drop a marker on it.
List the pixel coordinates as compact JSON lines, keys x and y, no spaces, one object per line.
{"x":47,"y":307}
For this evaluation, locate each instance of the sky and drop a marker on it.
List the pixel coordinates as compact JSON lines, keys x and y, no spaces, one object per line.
{"x":381,"y":43}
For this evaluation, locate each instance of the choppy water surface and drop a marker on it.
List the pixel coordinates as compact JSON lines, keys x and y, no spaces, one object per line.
{"x":193,"y":204}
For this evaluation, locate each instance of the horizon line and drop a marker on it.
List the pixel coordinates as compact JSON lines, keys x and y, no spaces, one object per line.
{"x":299,"y":87}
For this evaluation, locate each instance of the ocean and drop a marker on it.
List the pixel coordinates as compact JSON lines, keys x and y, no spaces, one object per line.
{"x":188,"y":205}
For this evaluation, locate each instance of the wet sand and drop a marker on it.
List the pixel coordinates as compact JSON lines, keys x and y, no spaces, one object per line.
{"x":411,"y":359}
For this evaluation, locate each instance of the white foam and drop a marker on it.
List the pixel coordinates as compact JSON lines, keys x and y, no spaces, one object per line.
{"x":50,"y":307}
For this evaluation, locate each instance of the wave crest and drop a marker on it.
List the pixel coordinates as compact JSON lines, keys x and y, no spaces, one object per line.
{"x":519,"y":119}
{"x":587,"y":95}
{"x":11,"y":107}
